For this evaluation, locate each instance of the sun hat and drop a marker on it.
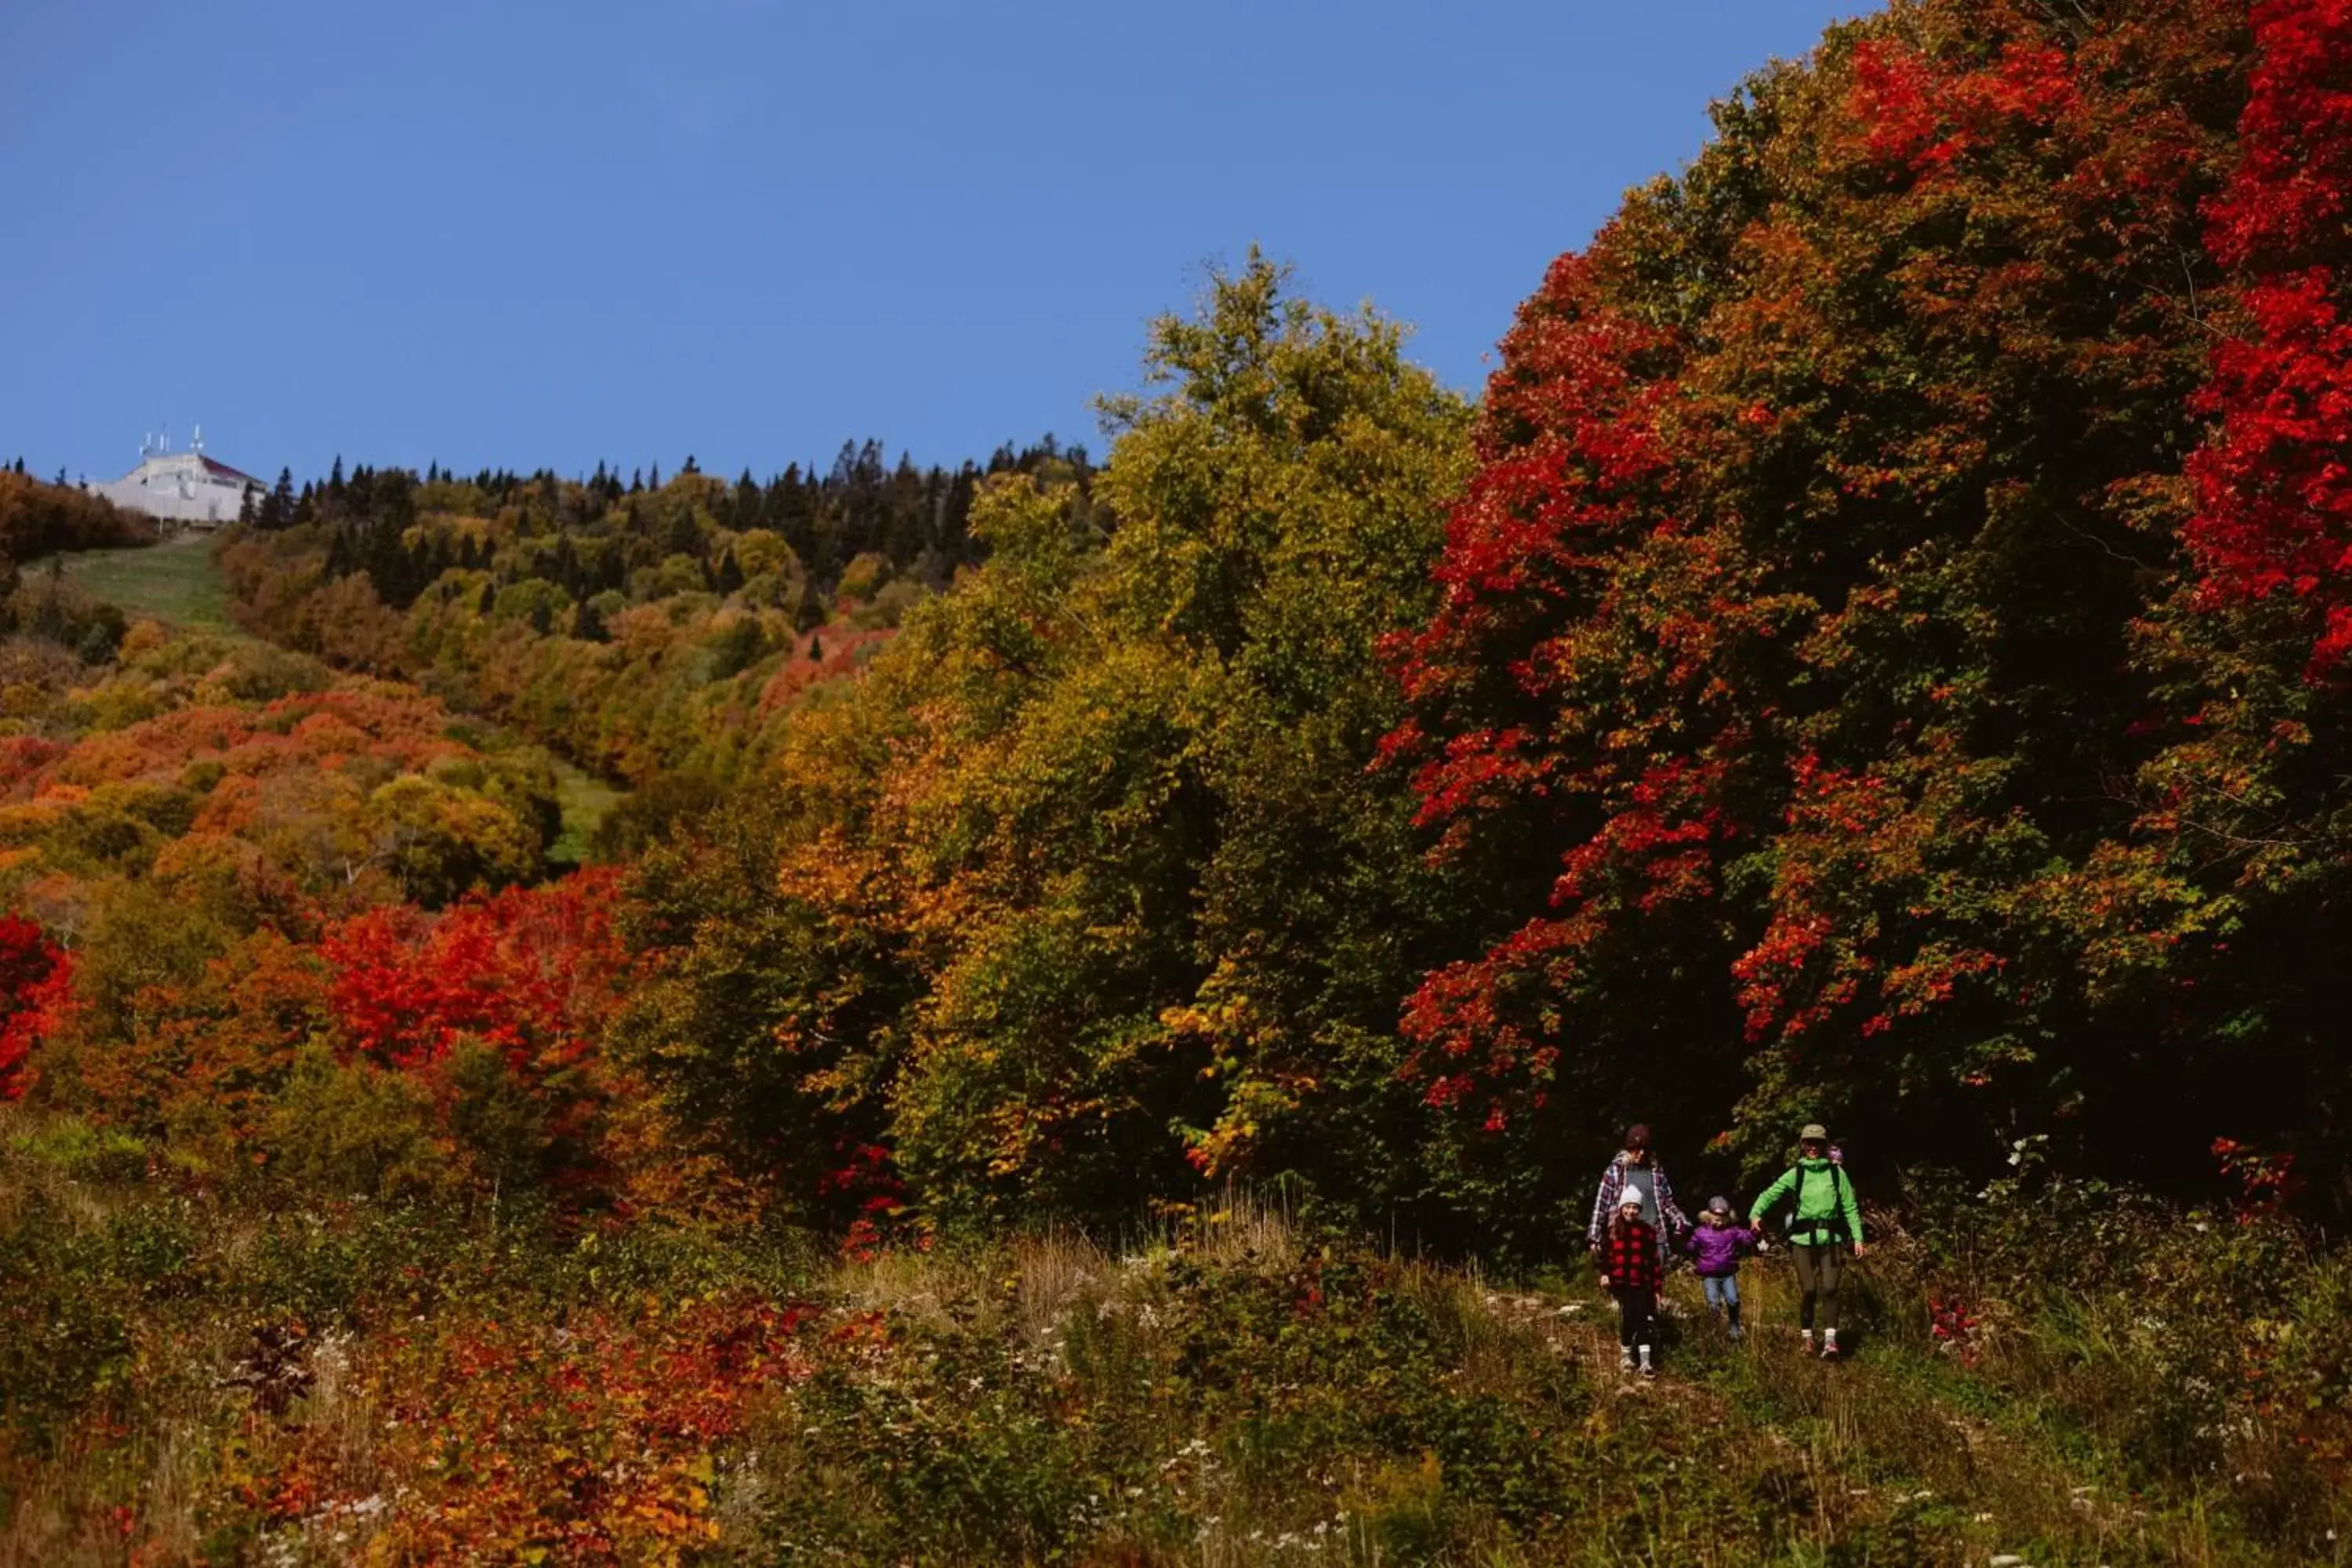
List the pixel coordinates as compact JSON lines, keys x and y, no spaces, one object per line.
{"x":1812,"y":1132}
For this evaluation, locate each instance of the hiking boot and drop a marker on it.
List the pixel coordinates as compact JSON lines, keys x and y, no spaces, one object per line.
{"x":1626,"y":1358}
{"x":1828,"y":1350}
{"x":1737,"y":1333}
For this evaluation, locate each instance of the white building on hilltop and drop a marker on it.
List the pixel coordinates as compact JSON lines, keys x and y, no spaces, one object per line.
{"x":186,"y":488}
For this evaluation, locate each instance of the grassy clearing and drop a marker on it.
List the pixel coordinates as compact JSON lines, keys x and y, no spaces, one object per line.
{"x":175,"y":581}
{"x":586,"y":801}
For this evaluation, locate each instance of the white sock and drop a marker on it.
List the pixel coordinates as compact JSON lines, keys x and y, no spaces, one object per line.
{"x":1645,"y":1357}
{"x":1829,"y":1336}
{"x":1809,"y":1336}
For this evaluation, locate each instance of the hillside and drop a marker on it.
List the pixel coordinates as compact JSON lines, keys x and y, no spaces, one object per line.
{"x":1093,"y":1036}
{"x":178,"y":582}
{"x":350,"y":1382}
{"x":652,"y":631}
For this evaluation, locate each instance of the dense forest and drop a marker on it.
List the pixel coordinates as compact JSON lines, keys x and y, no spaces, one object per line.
{"x":657,"y":633}
{"x":1092,"y":1038}
{"x":915,"y":520}
{"x":37,"y":519}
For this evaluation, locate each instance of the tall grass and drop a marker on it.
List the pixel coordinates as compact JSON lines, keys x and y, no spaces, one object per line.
{"x":1230,"y":1386}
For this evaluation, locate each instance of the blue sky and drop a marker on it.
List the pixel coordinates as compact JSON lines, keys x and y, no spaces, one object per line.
{"x":526,"y":235}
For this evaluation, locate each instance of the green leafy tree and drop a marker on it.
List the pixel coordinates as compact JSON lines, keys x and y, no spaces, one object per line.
{"x":1085,"y":895}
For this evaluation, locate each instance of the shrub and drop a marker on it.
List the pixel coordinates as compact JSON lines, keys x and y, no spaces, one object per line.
{"x":355,"y":1130}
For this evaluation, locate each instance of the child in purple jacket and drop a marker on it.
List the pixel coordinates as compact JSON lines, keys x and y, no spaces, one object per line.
{"x":1717,"y":1244}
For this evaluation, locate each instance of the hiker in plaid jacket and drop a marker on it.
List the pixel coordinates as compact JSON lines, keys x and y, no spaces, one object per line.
{"x":1631,"y":1272}
{"x":1629,"y":1256}
{"x":1658,"y":1208}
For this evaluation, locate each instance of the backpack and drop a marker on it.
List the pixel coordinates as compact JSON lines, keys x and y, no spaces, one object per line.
{"x":1835,"y":1225}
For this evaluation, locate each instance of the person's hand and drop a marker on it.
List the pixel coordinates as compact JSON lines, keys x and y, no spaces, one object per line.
{"x":1604,"y":1282}
{"x":1757,"y":1226}
{"x":1859,"y":1251}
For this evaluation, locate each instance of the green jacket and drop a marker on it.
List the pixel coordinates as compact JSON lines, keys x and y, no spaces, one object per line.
{"x":1822,"y":1190}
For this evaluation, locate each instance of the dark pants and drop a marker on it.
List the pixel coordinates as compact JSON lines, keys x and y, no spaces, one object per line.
{"x":1817,"y":1268}
{"x":1637,"y":1315}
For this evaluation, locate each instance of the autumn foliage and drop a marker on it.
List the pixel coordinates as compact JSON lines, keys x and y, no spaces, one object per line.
{"x":613,"y":1466}
{"x":1875,"y":657}
{"x":1878,"y":667}
{"x":36,"y":980}
{"x":1880,"y":651}
{"x":1082,"y":894}
{"x":37,"y":518}
{"x":2274,"y":506}
{"x":651,"y":630}
{"x":1898,"y":596}
{"x":530,"y":973}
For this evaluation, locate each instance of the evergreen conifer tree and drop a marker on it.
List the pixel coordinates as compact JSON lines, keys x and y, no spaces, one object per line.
{"x":278,"y":509}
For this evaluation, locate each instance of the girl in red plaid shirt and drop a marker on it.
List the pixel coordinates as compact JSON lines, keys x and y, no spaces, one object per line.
{"x":1630,"y":1271}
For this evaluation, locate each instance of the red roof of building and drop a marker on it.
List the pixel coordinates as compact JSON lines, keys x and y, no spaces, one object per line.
{"x":225,"y":471}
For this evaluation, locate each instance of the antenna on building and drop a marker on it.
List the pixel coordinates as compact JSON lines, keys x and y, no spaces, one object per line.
{"x":196,"y":441}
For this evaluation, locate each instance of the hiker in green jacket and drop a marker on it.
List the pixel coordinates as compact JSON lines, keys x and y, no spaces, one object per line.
{"x":1823,"y":1220}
